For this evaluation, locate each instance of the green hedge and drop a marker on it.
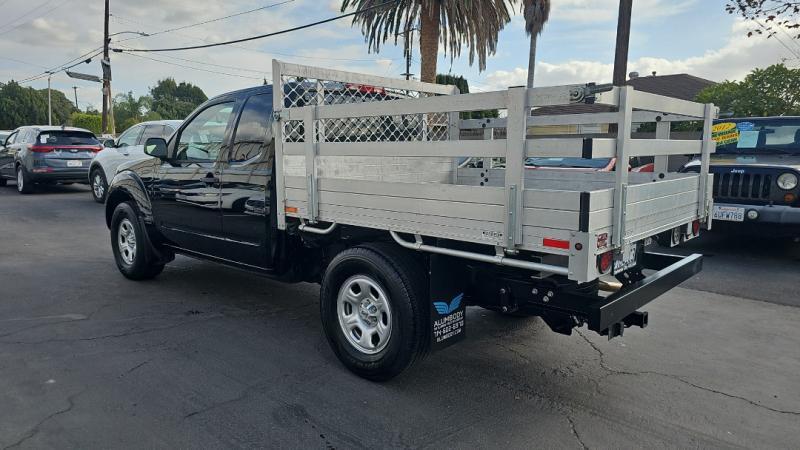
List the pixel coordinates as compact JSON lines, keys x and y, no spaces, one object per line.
{"x":91,"y":122}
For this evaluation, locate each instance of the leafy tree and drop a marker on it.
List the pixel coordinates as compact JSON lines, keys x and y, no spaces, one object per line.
{"x":27,"y":106}
{"x":774,"y":91}
{"x":454,"y":23}
{"x":91,"y":122}
{"x":769,"y":15}
{"x":130,"y":110}
{"x":463,"y":86}
{"x":175,"y":101}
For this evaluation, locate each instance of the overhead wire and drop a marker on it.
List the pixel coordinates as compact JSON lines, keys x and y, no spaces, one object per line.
{"x":261,"y":36}
{"x":242,"y":47}
{"x":194,"y":68}
{"x":170,"y":30}
{"x":50,"y":11}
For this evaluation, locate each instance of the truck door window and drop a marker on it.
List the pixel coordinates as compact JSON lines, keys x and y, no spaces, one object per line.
{"x":202,"y":139}
{"x":251,"y":132}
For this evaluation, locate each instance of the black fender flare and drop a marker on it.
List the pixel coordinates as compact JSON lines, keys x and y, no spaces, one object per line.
{"x":125,"y":186}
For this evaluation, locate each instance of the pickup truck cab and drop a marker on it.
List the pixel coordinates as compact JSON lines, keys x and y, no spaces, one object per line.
{"x":374,"y":207}
{"x":756,"y":171}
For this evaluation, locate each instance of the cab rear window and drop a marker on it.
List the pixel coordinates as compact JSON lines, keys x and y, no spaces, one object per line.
{"x":66,"y":138}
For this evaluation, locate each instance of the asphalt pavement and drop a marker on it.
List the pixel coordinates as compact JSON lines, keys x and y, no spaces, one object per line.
{"x":209,"y":357}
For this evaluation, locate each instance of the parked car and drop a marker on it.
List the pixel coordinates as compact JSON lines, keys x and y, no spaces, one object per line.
{"x":234,"y":187}
{"x":756,"y":173}
{"x":128,"y":147}
{"x":47,"y":154}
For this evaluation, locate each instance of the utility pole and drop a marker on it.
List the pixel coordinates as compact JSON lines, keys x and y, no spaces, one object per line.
{"x":409,"y":51}
{"x":108,"y":108}
{"x":75,"y":88}
{"x":49,"y":101}
{"x":623,"y":42}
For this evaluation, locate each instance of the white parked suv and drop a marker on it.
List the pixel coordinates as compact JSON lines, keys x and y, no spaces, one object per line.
{"x":129,"y":146}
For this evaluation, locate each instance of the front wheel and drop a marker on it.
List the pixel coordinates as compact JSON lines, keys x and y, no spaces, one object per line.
{"x":132,"y":252}
{"x":99,"y":186}
{"x":373,"y":311}
{"x":24,"y":182}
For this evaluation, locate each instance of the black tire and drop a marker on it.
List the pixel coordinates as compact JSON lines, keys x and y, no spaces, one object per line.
{"x":142,"y":263}
{"x":3,"y":182}
{"x":26,"y":187}
{"x":102,"y":179}
{"x":405,"y":282}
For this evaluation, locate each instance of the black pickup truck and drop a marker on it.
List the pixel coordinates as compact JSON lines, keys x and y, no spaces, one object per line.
{"x":209,"y":193}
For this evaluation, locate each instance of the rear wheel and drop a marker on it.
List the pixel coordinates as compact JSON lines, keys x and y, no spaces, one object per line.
{"x":24,"y":182}
{"x":99,"y":186}
{"x":373,"y":311}
{"x":133,"y":253}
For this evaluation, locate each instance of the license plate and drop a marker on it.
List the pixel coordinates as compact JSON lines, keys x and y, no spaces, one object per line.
{"x":626,"y":259}
{"x":728,"y":213}
{"x":74,"y":163}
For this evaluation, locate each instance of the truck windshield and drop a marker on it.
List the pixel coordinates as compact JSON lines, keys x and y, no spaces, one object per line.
{"x":778,"y":135}
{"x":597,"y":163}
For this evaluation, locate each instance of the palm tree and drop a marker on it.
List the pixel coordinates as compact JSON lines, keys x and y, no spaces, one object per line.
{"x":537,"y":12}
{"x":456,"y":23}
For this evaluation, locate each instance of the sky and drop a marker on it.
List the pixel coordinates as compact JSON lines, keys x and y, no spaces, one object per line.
{"x":577,"y":46}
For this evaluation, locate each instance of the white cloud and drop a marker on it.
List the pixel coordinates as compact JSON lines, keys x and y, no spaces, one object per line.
{"x":733,"y":61}
{"x":606,"y":10}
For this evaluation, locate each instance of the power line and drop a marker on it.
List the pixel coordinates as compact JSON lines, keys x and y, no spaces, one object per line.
{"x":45,"y":14}
{"x":64,"y":66}
{"x":28,"y":13}
{"x":210,"y":21}
{"x":196,"y":68}
{"x":22,"y":62}
{"x":242,"y":47}
{"x":206,"y":63}
{"x":262,"y":36}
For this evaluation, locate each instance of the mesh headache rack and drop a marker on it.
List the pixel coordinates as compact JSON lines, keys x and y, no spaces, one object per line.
{"x":388,"y":154}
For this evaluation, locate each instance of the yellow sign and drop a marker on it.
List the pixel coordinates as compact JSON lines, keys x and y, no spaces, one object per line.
{"x":725,"y":133}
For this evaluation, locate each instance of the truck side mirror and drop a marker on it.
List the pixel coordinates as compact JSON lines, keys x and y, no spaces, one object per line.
{"x":156,"y":147}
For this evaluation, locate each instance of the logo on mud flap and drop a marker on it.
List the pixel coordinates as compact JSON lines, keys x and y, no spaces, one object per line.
{"x":443,"y":308}
{"x":448,"y":321}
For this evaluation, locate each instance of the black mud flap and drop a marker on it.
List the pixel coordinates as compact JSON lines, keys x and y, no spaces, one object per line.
{"x":448,"y":282}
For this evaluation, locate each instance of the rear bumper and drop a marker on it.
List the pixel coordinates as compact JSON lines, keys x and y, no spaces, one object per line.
{"x":619,"y":310}
{"x":779,"y":215}
{"x":610,"y":315}
{"x":72,"y":175}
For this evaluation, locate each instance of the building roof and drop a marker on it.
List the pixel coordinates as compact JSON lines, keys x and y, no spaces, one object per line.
{"x":682,"y":86}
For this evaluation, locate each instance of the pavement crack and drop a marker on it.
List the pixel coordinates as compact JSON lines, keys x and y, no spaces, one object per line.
{"x":37,"y":428}
{"x":613,"y":371}
{"x":135,"y":368}
{"x":241,"y":396}
{"x":575,"y":431}
{"x":131,"y":332}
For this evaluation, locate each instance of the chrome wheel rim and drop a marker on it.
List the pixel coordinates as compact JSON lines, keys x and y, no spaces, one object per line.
{"x":126,"y":241}
{"x":365,"y":314}
{"x":97,"y":186}
{"x":20,"y":180}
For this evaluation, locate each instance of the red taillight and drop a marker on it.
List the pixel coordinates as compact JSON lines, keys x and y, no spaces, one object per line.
{"x":696,"y":227}
{"x":604,"y":262}
{"x":42,"y":148}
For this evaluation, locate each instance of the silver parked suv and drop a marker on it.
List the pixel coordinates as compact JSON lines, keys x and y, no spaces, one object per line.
{"x":47,"y":154}
{"x":129,"y":146}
